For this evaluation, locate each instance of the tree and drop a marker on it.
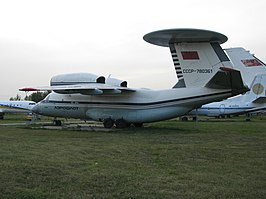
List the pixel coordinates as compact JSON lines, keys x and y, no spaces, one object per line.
{"x":37,"y":96}
{"x":17,"y":98}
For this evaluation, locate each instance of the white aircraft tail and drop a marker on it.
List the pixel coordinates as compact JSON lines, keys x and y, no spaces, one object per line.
{"x":257,"y":93}
{"x":247,"y":63}
{"x":197,"y":54}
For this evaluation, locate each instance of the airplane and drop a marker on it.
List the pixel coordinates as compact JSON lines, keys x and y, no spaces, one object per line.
{"x":252,"y":101}
{"x":253,"y":72}
{"x":248,"y":64}
{"x":15,"y":107}
{"x":200,"y":64}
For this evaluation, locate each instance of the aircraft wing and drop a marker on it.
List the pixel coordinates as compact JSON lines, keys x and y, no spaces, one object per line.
{"x":84,"y":89}
{"x":255,"y":109}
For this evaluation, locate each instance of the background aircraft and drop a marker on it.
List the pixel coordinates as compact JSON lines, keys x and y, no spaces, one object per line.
{"x":253,"y":72}
{"x":248,"y":64}
{"x":15,"y":107}
{"x":200,"y":66}
{"x":252,"y":101}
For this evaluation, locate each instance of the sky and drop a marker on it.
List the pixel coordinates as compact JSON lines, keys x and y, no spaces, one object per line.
{"x":43,"y":38}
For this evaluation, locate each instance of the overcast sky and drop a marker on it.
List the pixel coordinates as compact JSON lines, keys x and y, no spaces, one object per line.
{"x":39,"y":39}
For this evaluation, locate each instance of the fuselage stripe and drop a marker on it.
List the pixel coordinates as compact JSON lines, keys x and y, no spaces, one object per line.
{"x":138,"y":104}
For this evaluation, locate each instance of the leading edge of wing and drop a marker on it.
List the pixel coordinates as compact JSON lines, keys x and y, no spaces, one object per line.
{"x":84,"y":89}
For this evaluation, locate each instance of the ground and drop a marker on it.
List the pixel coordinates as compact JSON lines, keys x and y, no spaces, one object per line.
{"x":170,"y":159}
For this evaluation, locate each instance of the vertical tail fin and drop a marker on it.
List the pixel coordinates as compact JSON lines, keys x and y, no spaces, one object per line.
{"x":197,"y":54}
{"x":247,"y":63}
{"x":257,"y":93}
{"x":198,"y":62}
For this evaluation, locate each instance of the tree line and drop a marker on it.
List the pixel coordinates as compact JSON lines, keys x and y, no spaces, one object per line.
{"x":36,"y":96}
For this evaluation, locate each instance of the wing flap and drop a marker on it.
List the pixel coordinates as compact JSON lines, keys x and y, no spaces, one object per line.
{"x":84,"y":89}
{"x":227,"y":78}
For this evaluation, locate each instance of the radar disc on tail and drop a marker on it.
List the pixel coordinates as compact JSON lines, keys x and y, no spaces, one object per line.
{"x":170,"y":36}
{"x":196,"y":53}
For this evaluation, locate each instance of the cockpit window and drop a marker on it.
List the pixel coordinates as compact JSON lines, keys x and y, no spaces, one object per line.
{"x":46,"y":99}
{"x":259,"y":61}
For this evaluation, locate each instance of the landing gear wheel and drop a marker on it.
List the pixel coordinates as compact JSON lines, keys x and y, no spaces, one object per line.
{"x":184,"y":119}
{"x":57,"y":123}
{"x":108,"y":123}
{"x":120,"y":123}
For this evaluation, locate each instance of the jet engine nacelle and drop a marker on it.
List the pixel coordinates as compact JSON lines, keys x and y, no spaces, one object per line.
{"x":76,"y":78}
{"x":116,"y":82}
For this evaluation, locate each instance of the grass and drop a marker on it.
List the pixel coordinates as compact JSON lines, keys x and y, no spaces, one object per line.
{"x":171,"y":159}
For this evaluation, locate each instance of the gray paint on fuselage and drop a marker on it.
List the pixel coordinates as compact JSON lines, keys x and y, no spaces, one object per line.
{"x":141,"y":106}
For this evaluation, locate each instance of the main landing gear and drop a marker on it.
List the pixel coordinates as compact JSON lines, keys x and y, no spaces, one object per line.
{"x":120,"y":123}
{"x":108,"y":123}
{"x":57,"y":122}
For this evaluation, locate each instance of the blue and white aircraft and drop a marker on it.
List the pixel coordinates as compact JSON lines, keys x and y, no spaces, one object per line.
{"x":253,"y":72}
{"x":252,"y":101}
{"x":200,"y":63}
{"x":15,"y":107}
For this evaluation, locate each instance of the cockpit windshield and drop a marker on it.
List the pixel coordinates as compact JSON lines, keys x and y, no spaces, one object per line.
{"x":259,"y":61}
{"x":46,"y":99}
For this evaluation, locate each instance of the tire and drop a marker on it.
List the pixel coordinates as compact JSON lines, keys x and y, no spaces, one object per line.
{"x":184,"y":119}
{"x":120,"y":123}
{"x":57,"y":122}
{"x":108,"y":123}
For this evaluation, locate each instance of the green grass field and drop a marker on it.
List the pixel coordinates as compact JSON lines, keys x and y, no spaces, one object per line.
{"x":171,"y":159}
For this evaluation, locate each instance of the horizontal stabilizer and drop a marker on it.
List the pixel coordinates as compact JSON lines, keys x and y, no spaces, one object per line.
{"x":30,"y":89}
{"x":260,"y":100}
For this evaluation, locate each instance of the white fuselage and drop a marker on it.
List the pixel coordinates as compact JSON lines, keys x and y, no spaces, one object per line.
{"x":251,"y":101}
{"x":231,"y":106}
{"x":16,"y":106}
{"x":134,"y":107}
